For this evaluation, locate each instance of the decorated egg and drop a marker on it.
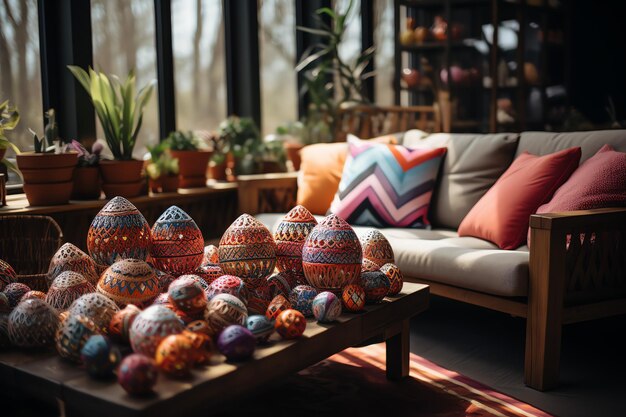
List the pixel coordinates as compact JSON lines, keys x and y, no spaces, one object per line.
{"x":14,"y":292}
{"x":332,"y":256}
{"x":175,"y":355}
{"x":369,"y":266}
{"x":290,"y":235}
{"x":228,"y":284}
{"x":120,"y":323}
{"x":162,"y":299}
{"x":224,"y":310}
{"x":259,"y":299}
{"x":209,"y":273}
{"x":326,"y":307}
{"x":71,"y":258}
{"x":376,"y":248}
{"x":165,"y":280}
{"x":5,"y":305}
{"x":376,"y":286}
{"x":151,"y":326}
{"x":137,"y":374}
{"x":201,"y":347}
{"x":187,"y":295}
{"x":100,"y":356}
{"x":353,"y":297}
{"x":34,"y":294}
{"x":72,"y":335}
{"x":177,"y":242}
{"x":7,"y":274}
{"x":211,"y":256}
{"x":394,"y":275}
{"x":96,"y":307}
{"x":282,"y":283}
{"x":277,"y":306}
{"x":199,"y":280}
{"x":200,"y":326}
{"x":247,"y":250}
{"x":119,"y":230}
{"x":236,"y":343}
{"x":290,"y":324}
{"x":33,"y":323}
{"x":301,"y":299}
{"x":66,"y":288}
{"x":4,"y":331}
{"x":261,"y":327}
{"x":129,"y":281}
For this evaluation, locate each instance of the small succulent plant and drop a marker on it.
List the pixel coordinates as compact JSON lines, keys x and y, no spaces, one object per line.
{"x":50,"y":141}
{"x":86,"y":158}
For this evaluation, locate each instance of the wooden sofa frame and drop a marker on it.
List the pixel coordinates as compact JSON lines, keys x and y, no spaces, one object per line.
{"x":570,"y":279}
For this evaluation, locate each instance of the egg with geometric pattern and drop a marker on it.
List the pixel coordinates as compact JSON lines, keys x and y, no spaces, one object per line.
{"x":290,"y":236}
{"x":377,"y":248}
{"x":396,"y":280}
{"x":33,"y":323}
{"x":353,"y":297}
{"x":290,"y":324}
{"x":326,"y":307}
{"x":224,"y":310}
{"x":7,"y":274}
{"x":71,"y":258}
{"x":137,"y":374}
{"x":100,"y":357}
{"x":67,"y":287}
{"x":376,"y":286}
{"x":187,"y":295}
{"x":129,"y":281}
{"x":151,"y":326}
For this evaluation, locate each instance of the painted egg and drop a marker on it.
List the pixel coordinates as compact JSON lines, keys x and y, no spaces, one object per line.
{"x":187,"y":295}
{"x":14,"y":292}
{"x":353,"y":297}
{"x":71,"y":258}
{"x":151,"y":326}
{"x":224,"y":310}
{"x":137,"y":374}
{"x":277,"y":306}
{"x":332,"y":256}
{"x":209,"y":273}
{"x":96,"y":307}
{"x":34,"y":294}
{"x":165,"y":280}
{"x":247,"y":250}
{"x":175,"y":355}
{"x":396,"y":280}
{"x":100,"y":356}
{"x":5,"y":305}
{"x":177,"y":242}
{"x":301,"y":299}
{"x":259,"y":299}
{"x":200,"y":326}
{"x":236,"y":343}
{"x":290,"y":235}
{"x":376,"y":248}
{"x":72,"y":335}
{"x":129,"y":281}
{"x":162,"y":299}
{"x":201,"y":347}
{"x":326,"y":307}
{"x":211,"y":255}
{"x":261,"y":327}
{"x":376,"y":286}
{"x":33,"y":323}
{"x":7,"y":274}
{"x":200,"y":281}
{"x":119,"y":230}
{"x":282,"y":283}
{"x":4,"y":331}
{"x":369,"y":266}
{"x":67,"y":287}
{"x":290,"y":324}
{"x":119,"y":326}
{"x":229,"y":284}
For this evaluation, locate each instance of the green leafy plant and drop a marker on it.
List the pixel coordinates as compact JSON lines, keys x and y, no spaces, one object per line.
{"x":239,"y":135}
{"x":50,"y":141}
{"x":183,"y":141}
{"x":9,"y":119}
{"x":119,"y":109}
{"x":161,"y":161}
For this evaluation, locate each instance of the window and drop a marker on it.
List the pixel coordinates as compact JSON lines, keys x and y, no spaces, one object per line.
{"x":199,"y":67}
{"x":384,"y":56}
{"x":123,"y":39}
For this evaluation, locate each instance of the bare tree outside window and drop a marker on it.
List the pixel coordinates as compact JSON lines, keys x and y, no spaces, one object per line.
{"x":383,"y":60}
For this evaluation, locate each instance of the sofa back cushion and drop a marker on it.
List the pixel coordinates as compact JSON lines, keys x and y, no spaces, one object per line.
{"x":473,"y":163}
{"x":542,"y":143}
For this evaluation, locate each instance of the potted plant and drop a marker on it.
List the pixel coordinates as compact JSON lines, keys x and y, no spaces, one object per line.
{"x":292,"y":137}
{"x":162,"y":169}
{"x":120,"y":112}
{"x":242,"y":140}
{"x":193,"y":158}
{"x":272,"y":156}
{"x":87,"y":173}
{"x":9,"y":118}
{"x":48,"y":171}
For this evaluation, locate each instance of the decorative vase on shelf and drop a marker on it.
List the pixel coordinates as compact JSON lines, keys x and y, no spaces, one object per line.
{"x":439,"y":29}
{"x":407,"y":36}
{"x":420,"y":34}
{"x":411,"y":77}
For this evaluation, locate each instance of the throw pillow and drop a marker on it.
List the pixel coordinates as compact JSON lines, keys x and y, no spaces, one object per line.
{"x":320,"y":173}
{"x":387,"y":185}
{"x":501,"y":216}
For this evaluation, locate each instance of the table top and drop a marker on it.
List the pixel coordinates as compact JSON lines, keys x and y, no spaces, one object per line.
{"x":43,"y":372}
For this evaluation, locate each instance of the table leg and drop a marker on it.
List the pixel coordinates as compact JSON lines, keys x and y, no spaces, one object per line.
{"x":398,"y":353}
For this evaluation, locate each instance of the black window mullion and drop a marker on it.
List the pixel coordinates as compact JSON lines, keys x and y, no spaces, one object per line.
{"x":367,"y":41}
{"x":165,"y":67}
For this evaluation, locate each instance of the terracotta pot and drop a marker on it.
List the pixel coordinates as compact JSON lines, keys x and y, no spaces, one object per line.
{"x":217,"y":171}
{"x":48,"y":194}
{"x":293,"y":153}
{"x":47,"y":177}
{"x":45,"y":160}
{"x":120,"y":172}
{"x":192,"y":163}
{"x":86,"y":183}
{"x":126,"y":189}
{"x":164,"y":184}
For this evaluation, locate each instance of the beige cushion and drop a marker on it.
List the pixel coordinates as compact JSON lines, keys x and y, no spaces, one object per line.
{"x":472,"y":165}
{"x":542,"y":143}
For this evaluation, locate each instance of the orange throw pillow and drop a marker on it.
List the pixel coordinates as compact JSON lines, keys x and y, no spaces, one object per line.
{"x":502,"y":215}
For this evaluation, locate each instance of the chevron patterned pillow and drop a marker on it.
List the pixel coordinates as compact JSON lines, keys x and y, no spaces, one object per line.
{"x":387,"y":185}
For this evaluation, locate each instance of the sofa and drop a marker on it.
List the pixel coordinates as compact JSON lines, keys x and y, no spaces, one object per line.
{"x":556,"y":280}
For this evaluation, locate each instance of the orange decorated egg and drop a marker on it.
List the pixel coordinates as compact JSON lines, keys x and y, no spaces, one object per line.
{"x":353,"y":297}
{"x":121,"y":322}
{"x":396,"y":280}
{"x":7,"y":274}
{"x":67,"y":287}
{"x":290,"y":235}
{"x":71,"y":258}
{"x":376,"y":248}
{"x":290,"y":324}
{"x":129,"y":281}
{"x":277,"y":306}
{"x":175,"y":355}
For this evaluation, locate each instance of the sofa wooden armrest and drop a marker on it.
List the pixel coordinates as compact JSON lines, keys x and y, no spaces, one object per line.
{"x":267,"y":193}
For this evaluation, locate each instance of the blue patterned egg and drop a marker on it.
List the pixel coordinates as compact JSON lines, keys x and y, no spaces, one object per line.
{"x":151,"y":326}
{"x":301,"y":299}
{"x":376,"y":286}
{"x":326,"y":307}
{"x":261,"y":327}
{"x":100,"y":356}
{"x":187,"y":295}
{"x":236,"y":343}
{"x":72,"y":335}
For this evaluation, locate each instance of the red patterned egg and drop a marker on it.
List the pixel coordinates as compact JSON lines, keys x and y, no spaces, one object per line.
{"x":290,"y":235}
{"x":224,"y":310}
{"x":247,"y":250}
{"x":175,"y":355}
{"x":228,"y":284}
{"x":129,"y":281}
{"x":200,"y":281}
{"x":7,"y":274}
{"x":369,"y":266}
{"x":200,"y":326}
{"x":209,"y":273}
{"x":282,"y":283}
{"x":259,"y":299}
{"x":151,"y":326}
{"x":186,"y":294}
{"x":353,"y":297}
{"x":301,"y":299}
{"x":201,"y":345}
{"x":332,"y":255}
{"x":277,"y":306}
{"x":177,"y":242}
{"x":162,"y":299}
{"x":66,"y":288}
{"x":376,"y":286}
{"x":290,"y":324}
{"x":119,"y":326}
{"x":14,"y":292}
{"x":33,"y":323}
{"x":396,"y":280}
{"x":376,"y":248}
{"x":34,"y":294}
{"x":96,"y":307}
{"x":165,"y":280}
{"x":137,"y":374}
{"x":119,"y":230}
{"x":71,"y":258}
{"x":211,"y":255}
{"x":72,"y":335}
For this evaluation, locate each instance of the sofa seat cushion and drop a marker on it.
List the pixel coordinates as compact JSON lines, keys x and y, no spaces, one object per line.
{"x":440,"y":255}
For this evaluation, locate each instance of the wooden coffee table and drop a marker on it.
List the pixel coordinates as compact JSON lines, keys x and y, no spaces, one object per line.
{"x":45,"y":375}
